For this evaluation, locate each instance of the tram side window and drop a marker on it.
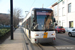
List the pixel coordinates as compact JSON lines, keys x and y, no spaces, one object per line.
{"x":24,"y":24}
{"x":32,"y":16}
{"x":29,"y":23}
{"x":28,"y":26}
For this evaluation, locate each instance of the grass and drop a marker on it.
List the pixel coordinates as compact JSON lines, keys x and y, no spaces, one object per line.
{"x":4,"y":31}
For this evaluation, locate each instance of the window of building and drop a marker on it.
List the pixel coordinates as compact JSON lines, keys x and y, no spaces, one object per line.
{"x":69,"y":7}
{"x":60,"y":12}
{"x":63,"y":11}
{"x":71,"y":24}
{"x":63,"y":1}
{"x":59,"y":23}
{"x":55,"y":10}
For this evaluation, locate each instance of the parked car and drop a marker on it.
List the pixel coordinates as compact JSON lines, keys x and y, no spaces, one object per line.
{"x":71,"y":32}
{"x":59,"y":29}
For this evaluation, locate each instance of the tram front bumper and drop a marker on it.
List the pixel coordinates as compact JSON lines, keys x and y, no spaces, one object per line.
{"x":44,"y":40}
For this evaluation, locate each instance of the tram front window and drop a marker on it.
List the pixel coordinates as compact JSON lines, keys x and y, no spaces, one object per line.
{"x":44,"y":20}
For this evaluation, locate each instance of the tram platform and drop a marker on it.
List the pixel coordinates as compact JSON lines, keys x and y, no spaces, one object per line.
{"x":18,"y":43}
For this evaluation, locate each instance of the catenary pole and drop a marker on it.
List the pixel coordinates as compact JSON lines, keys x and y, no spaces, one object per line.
{"x":11,"y":18}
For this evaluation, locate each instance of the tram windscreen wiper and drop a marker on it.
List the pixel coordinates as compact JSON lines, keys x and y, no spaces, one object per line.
{"x":36,"y":26}
{"x":49,"y":29}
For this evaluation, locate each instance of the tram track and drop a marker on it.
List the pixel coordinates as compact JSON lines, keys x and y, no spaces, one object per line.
{"x":46,"y":46}
{"x":28,"y":44}
{"x":25,"y":43}
{"x":40,"y":46}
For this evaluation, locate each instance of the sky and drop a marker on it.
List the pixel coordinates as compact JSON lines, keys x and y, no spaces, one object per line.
{"x":24,"y":5}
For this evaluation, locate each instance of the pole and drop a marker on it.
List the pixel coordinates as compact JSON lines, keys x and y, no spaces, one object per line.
{"x":42,"y":5}
{"x":11,"y":20}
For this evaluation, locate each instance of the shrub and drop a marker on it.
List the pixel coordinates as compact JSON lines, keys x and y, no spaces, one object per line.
{"x":3,"y":31}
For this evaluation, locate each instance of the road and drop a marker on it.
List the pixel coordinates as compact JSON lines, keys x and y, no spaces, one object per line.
{"x":63,"y":42}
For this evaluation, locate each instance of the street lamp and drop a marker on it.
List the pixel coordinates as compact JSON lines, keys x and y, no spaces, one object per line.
{"x":26,"y":12}
{"x":11,"y":15}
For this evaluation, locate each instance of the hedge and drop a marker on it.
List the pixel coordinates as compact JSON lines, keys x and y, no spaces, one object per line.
{"x":4,"y":31}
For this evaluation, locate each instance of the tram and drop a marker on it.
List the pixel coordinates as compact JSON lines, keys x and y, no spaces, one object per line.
{"x":39,"y":25}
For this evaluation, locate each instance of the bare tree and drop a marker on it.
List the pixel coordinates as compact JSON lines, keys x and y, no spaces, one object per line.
{"x":16,"y":15}
{"x":17,"y":12}
{"x":4,"y":19}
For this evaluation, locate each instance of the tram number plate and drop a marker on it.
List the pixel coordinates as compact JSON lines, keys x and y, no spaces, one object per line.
{"x":45,"y":35}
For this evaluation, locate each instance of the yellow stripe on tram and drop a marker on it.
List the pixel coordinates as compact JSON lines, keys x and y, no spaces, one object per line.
{"x":45,"y":34}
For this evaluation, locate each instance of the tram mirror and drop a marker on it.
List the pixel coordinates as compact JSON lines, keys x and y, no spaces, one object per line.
{"x":54,"y":20}
{"x":33,"y":20}
{"x":33,"y":23}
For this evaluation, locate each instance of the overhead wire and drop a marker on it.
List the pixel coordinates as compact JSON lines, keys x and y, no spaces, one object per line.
{"x":48,"y":5}
{"x":51,"y":3}
{"x":32,"y":4}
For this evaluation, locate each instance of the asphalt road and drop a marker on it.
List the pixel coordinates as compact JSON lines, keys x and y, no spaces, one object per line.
{"x":63,"y":42}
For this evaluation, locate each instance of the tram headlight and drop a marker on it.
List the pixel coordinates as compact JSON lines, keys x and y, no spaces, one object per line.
{"x":36,"y":34}
{"x":53,"y":34}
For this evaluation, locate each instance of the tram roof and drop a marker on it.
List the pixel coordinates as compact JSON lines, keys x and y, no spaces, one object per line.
{"x":41,"y":9}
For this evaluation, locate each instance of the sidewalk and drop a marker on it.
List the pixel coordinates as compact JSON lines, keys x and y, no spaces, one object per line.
{"x":17,"y":44}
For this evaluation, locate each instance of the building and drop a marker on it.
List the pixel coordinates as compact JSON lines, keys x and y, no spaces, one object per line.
{"x":54,"y":7}
{"x":62,"y":13}
{"x":65,"y":13}
{"x":4,"y":20}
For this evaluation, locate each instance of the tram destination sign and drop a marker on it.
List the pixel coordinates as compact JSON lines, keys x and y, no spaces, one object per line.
{"x":43,"y":13}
